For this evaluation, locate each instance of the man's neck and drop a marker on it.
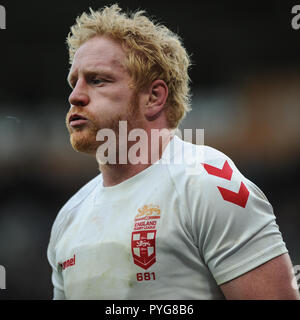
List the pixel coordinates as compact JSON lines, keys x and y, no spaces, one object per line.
{"x":114,"y":174}
{"x":117,"y":173}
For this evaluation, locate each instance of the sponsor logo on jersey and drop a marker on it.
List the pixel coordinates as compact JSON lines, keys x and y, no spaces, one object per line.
{"x":143,"y":236}
{"x":239,"y":198}
{"x":68,"y":263}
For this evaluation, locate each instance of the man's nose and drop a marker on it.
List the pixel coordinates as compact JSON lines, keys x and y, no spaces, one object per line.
{"x":79,"y":96}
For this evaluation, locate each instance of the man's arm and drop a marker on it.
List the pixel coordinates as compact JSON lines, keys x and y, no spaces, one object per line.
{"x":272,"y":280}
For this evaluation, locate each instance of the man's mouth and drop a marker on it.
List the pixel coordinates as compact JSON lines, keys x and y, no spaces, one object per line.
{"x":76,"y":120}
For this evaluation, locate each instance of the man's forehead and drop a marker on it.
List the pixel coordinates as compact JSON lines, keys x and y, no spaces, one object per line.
{"x":95,"y":64}
{"x":99,"y":51}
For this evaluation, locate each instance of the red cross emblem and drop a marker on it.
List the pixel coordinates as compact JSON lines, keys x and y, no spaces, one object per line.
{"x":143,"y":248}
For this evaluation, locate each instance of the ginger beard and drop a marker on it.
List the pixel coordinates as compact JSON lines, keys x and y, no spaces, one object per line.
{"x":83,"y":138}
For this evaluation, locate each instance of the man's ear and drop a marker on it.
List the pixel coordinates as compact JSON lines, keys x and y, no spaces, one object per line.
{"x":157,"y":97}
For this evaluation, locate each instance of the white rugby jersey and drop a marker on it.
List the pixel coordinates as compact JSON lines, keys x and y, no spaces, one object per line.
{"x":176,"y":230}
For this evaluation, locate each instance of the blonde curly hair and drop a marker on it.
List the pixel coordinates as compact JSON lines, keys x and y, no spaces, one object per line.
{"x":152,"y":52}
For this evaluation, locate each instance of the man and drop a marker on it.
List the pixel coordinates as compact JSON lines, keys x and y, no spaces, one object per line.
{"x":146,"y":228}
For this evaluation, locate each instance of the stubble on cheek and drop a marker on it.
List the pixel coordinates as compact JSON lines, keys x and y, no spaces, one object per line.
{"x":84,"y":138}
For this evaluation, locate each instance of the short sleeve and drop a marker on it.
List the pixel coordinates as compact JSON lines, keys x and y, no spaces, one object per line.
{"x":233,"y":222}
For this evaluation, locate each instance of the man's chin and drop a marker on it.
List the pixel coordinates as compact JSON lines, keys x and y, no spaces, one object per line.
{"x":84,"y":144}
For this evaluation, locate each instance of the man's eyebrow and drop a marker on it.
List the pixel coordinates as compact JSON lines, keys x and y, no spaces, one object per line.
{"x":90,"y":72}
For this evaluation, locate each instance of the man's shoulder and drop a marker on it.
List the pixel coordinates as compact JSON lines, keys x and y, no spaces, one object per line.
{"x":82,"y":193}
{"x":198,"y":162}
{"x":208,"y":177}
{"x":71,"y":205}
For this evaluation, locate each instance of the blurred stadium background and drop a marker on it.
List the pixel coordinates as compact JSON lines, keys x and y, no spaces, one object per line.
{"x":246,"y":95}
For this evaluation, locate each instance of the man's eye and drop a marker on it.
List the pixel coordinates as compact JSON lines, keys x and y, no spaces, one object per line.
{"x":97,"y":81}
